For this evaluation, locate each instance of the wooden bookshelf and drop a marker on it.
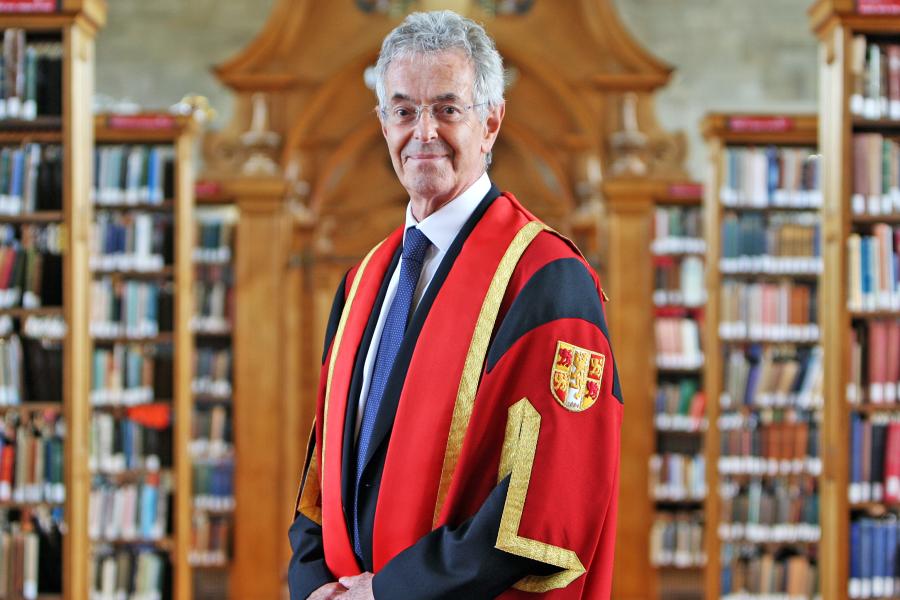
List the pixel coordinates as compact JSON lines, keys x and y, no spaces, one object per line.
{"x":727,"y":133}
{"x":216,"y":217}
{"x":680,"y":575}
{"x":836,"y":23}
{"x":74,"y":28}
{"x":173,"y":139}
{"x":631,"y":204}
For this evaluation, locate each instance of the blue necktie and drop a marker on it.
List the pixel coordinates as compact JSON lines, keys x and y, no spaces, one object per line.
{"x":415,"y":244}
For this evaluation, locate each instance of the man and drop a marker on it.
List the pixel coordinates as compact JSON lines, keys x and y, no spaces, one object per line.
{"x":467,"y":433}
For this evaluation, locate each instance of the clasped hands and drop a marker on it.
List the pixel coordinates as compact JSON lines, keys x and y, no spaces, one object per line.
{"x":358,"y":587}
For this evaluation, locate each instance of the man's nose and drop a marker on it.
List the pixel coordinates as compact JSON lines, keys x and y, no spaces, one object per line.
{"x":426,"y":126}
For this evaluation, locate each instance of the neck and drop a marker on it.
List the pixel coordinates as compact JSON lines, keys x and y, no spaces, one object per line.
{"x":425,"y":206}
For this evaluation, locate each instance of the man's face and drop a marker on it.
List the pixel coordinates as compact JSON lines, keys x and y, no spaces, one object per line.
{"x":435,"y":160}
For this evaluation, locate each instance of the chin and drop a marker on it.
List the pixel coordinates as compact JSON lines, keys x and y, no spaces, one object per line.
{"x":428,"y":182}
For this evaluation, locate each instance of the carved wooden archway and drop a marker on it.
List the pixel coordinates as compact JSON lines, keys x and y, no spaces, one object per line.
{"x":573,"y":67}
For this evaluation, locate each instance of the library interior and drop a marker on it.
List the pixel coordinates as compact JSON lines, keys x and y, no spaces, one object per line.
{"x":730,"y":169}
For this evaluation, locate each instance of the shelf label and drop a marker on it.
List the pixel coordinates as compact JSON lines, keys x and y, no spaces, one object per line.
{"x":143,"y":122}
{"x":29,"y":6}
{"x":206,"y":189}
{"x":760,"y":124}
{"x":686,"y":190}
{"x":878,"y":7}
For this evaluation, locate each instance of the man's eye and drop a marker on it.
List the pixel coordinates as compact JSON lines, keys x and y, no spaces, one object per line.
{"x":449,"y":109}
{"x":402,"y":111}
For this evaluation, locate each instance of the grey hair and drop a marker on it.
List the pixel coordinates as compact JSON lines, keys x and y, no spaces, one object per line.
{"x":437,"y":31}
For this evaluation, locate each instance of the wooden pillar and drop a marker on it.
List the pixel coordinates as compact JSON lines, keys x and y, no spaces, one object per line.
{"x":266,"y":403}
{"x":629,"y":285}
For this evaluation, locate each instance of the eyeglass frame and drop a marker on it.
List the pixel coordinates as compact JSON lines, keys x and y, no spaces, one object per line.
{"x":419,"y":108}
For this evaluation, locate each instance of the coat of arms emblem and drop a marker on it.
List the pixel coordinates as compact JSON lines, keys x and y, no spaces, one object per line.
{"x":576,"y":376}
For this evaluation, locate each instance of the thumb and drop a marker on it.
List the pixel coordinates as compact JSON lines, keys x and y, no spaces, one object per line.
{"x":347,"y":582}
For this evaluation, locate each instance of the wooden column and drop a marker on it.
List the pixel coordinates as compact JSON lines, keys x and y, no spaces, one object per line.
{"x":266,"y":402}
{"x":629,"y":285}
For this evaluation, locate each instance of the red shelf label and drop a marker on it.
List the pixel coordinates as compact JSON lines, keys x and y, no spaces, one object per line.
{"x":760,"y":124}
{"x":144,"y":122}
{"x":207,"y":189}
{"x":878,"y":7}
{"x":28,"y":6}
{"x":686,"y":190}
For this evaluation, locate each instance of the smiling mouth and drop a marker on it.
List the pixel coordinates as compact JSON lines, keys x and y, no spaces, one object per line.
{"x":425,"y":157}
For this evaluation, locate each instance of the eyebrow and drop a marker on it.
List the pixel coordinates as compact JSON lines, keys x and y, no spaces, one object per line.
{"x":448,"y":96}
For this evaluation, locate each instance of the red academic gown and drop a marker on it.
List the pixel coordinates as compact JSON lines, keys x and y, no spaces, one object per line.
{"x":508,"y":410}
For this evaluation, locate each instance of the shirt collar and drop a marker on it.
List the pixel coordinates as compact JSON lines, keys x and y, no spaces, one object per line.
{"x":442,"y":225}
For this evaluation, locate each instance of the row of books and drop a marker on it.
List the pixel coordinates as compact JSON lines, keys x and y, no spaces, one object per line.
{"x":676,"y":539}
{"x":213,"y":482}
{"x":30,"y":178}
{"x":876,"y":175}
{"x":31,"y":459}
{"x":680,"y":405}
{"x":875,"y":458}
{"x":130,"y":374}
{"x":32,"y":75}
{"x":21,"y":575}
{"x":130,"y":308}
{"x":750,"y":571}
{"x":678,"y":282}
{"x":129,"y":573}
{"x":29,"y":278}
{"x":678,"y":476}
{"x":772,"y":176}
{"x":31,"y":266}
{"x":210,"y":539}
{"x":211,"y":426}
{"x":873,"y":269}
{"x":677,"y":343}
{"x":678,"y":230}
{"x":140,"y":441}
{"x":875,"y":68}
{"x":212,"y":300}
{"x":215,"y":235}
{"x":874,"y":362}
{"x":212,"y":372}
{"x":773,"y":376}
{"x":782,"y":509}
{"x":750,"y":446}
{"x":774,"y":533}
{"x":784,"y":311}
{"x":874,"y":558}
{"x":789,"y":235}
{"x":30,"y":369}
{"x":134,"y":241}
{"x":140,"y":174}
{"x":131,"y":512}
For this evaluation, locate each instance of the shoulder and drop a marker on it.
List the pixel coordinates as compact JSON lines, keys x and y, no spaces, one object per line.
{"x":551,"y":282}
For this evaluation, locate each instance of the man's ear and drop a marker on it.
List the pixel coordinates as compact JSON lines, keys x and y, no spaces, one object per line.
{"x":383,"y":126}
{"x":492,"y":127}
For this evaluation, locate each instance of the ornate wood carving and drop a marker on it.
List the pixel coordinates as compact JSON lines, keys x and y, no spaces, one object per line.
{"x":581,"y":94}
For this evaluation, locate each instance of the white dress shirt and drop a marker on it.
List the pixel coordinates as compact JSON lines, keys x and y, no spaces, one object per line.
{"x":441,"y":228}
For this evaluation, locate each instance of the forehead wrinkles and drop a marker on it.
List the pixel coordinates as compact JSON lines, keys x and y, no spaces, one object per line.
{"x":433,"y":73}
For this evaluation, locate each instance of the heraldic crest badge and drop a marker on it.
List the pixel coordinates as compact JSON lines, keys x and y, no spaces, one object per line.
{"x":576,"y":376}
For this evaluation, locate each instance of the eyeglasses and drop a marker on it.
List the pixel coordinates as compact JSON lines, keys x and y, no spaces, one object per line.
{"x":407,"y":115}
